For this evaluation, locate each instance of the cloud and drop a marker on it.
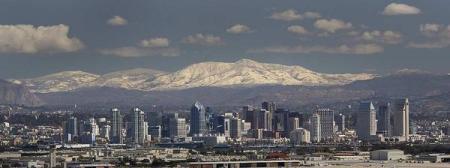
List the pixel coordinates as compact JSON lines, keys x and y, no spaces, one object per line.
{"x":331,"y":25}
{"x":203,"y":39}
{"x":29,"y":39}
{"x":132,"y":51}
{"x":297,"y":30}
{"x":400,"y":9}
{"x":158,"y":46}
{"x":312,"y":15}
{"x":238,"y":29}
{"x":155,"y":42}
{"x":438,"y":36}
{"x":291,"y":15}
{"x":429,"y":45}
{"x":388,"y":36}
{"x":117,"y":21}
{"x":359,"y":49}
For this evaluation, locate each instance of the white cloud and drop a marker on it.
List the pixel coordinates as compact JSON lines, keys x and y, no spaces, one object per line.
{"x":287,"y":15}
{"x":155,"y":42}
{"x":360,"y":49}
{"x":438,"y":36}
{"x":117,"y":21}
{"x":400,"y":9}
{"x":297,"y":30}
{"x":203,"y":39}
{"x":291,"y":15}
{"x":429,"y":45}
{"x":30,"y":39}
{"x":140,"y":52}
{"x":312,"y":15}
{"x":331,"y":25}
{"x":238,"y":29}
{"x":148,"y":47}
{"x":388,"y":36}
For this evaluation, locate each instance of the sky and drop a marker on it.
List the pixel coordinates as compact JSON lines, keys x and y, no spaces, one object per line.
{"x":101,"y":36}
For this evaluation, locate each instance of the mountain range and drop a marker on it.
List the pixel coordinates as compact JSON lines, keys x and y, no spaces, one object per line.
{"x":241,"y":73}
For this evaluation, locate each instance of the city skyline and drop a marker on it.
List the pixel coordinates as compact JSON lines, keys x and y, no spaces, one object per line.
{"x":159,"y":35}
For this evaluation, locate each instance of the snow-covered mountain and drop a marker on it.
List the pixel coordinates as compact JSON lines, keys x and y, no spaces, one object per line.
{"x":244,"y":72}
{"x":58,"y":82}
{"x":248,"y":73}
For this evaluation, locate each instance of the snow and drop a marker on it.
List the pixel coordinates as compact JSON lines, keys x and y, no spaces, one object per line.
{"x":244,"y":72}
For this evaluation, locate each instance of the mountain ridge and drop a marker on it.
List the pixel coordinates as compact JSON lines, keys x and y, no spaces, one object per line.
{"x":244,"y":72}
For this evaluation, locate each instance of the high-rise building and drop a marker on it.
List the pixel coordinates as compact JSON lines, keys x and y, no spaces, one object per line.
{"x":154,"y":118}
{"x":235,"y":128}
{"x":293,"y":123}
{"x":384,"y":126}
{"x":265,"y":120}
{"x":269,"y":106}
{"x":71,"y":129}
{"x":180,"y":126}
{"x":116,"y":132}
{"x":105,"y":132}
{"x":315,"y":127}
{"x":401,"y":118}
{"x":155,"y":132}
{"x":340,"y":122}
{"x":280,"y":120}
{"x":251,"y":116}
{"x":366,"y":121}
{"x":326,"y":123}
{"x":300,"y":136}
{"x":173,"y":126}
{"x":267,"y":110}
{"x":198,"y":119}
{"x":138,"y":129}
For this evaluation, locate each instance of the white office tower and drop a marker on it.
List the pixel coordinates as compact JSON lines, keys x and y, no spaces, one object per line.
{"x":138,"y":127}
{"x":401,"y":118}
{"x":116,"y":132}
{"x":181,"y":128}
{"x":315,"y":128}
{"x":366,"y":121}
{"x":326,"y":123}
{"x":94,"y":127}
{"x":300,"y":136}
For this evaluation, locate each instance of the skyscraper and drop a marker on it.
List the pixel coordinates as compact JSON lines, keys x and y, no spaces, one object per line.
{"x":173,"y":126}
{"x":267,"y":109}
{"x":340,"y":122}
{"x":315,"y":128}
{"x":198,"y":119}
{"x":326,"y":123}
{"x":138,"y":126}
{"x":366,"y":121}
{"x":265,"y":120}
{"x":235,"y":128}
{"x":384,"y":119}
{"x":401,"y":118}
{"x":71,"y":129}
{"x":116,"y":132}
